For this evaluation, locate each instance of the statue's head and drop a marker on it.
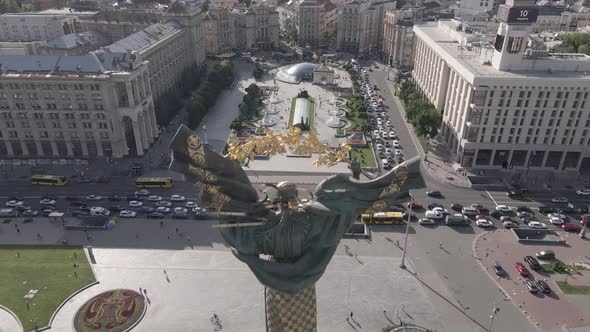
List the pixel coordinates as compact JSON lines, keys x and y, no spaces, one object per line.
{"x":287,"y":191}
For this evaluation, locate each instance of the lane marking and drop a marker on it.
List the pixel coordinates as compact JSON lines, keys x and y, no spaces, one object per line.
{"x":491,"y":197}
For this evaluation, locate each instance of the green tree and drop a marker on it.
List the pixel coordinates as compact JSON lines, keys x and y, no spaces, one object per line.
{"x":584,"y":49}
{"x":576,"y":39}
{"x":428,"y":122}
{"x":258,"y":71}
{"x":205,"y":6}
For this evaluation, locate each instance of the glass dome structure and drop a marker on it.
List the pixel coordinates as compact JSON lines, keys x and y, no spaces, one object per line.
{"x":296,"y":73}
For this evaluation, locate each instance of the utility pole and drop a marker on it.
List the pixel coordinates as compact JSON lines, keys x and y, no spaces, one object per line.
{"x":403,"y":265}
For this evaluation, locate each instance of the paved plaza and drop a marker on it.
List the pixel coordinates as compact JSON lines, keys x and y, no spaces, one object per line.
{"x":191,"y":275}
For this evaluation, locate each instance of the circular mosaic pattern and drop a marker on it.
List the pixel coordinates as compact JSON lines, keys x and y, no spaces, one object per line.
{"x":114,"y":311}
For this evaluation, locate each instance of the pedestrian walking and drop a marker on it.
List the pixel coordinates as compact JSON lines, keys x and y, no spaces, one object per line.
{"x":351,"y":313}
{"x":161,"y":224}
{"x":176,"y":229}
{"x":440,"y":244}
{"x":140,"y":290}
{"x":38,"y":235}
{"x":188,"y":239}
{"x":137,"y":235}
{"x":18,"y":230}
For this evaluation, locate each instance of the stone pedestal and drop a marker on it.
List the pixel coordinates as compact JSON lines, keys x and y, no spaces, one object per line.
{"x":290,"y":312}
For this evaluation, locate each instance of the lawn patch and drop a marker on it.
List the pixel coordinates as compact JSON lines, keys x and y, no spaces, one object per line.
{"x":573,"y":289}
{"x":48,"y":270}
{"x":364,"y":155}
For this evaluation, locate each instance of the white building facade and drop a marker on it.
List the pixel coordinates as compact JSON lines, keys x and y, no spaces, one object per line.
{"x":506,"y":106}
{"x":74,"y":107}
{"x":33,"y":27}
{"x":398,"y":38}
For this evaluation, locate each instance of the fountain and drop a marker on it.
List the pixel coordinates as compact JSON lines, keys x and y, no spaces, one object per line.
{"x":273,"y":99}
{"x":337,"y":112}
{"x":266,"y":120}
{"x":336,"y":122}
{"x":271,"y":110}
{"x":336,"y":101}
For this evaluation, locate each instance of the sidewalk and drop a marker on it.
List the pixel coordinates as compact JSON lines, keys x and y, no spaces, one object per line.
{"x":436,"y":162}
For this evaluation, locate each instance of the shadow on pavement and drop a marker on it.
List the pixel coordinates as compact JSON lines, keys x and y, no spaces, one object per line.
{"x":392,"y":229}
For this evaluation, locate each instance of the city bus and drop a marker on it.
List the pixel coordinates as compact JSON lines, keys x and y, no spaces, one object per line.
{"x":49,"y":180}
{"x":385,"y":218}
{"x":153,"y":182}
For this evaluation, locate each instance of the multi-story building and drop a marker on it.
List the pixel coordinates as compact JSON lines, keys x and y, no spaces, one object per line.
{"x":32,"y":27}
{"x":310,"y":23}
{"x":557,"y":19}
{"x":75,"y":106}
{"x":360,"y":25}
{"x":317,"y":22}
{"x":398,"y":38}
{"x":220,"y":31}
{"x":170,"y":50}
{"x":506,"y":105}
{"x":257,"y":27}
{"x":467,"y":9}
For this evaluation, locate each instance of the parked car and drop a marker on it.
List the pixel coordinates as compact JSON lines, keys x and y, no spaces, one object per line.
{"x":426,"y":221}
{"x":456,"y":207}
{"x":163,"y":209}
{"x":434,"y":193}
{"x":483,"y":223}
{"x":571,"y":228}
{"x":503,"y":208}
{"x":30,"y":213}
{"x":84,"y":180}
{"x":546,"y":209}
{"x":179,"y":215}
{"x":190,"y":204}
{"x":442,"y":210}
{"x":46,"y":201}
{"x":498,"y":269}
{"x":154,"y":198}
{"x":155,"y":215}
{"x":537,"y":225}
{"x":146,"y":209}
{"x":127,"y":214}
{"x":524,"y":209}
{"x":164,"y":203}
{"x":583,"y":192}
{"x":556,"y":215}
{"x":142,"y":192}
{"x":433,"y":205}
{"x":544,"y":286}
{"x":531,"y":286}
{"x":532,"y":262}
{"x":556,"y":221}
{"x":515,"y":194}
{"x":509,"y":224}
{"x":135,"y":204}
{"x":545,"y":255}
{"x":522,"y":270}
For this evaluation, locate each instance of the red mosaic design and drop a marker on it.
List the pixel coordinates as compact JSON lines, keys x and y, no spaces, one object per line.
{"x":114,"y":311}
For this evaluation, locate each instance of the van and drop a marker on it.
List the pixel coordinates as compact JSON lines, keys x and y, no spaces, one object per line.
{"x":99,"y":211}
{"x":8,"y":213}
{"x":469,"y":211}
{"x":456,"y":219}
{"x":433,"y":215}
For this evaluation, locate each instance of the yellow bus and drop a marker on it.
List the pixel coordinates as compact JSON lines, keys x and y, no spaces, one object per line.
{"x":385,"y":218}
{"x":153,"y":182}
{"x":49,"y":180}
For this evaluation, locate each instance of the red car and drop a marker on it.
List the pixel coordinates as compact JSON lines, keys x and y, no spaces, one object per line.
{"x":481,"y":216}
{"x":414,"y":205}
{"x":521,"y":269}
{"x":103,"y":179}
{"x":571,"y":228}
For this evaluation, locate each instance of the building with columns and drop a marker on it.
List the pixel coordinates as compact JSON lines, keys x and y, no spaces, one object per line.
{"x":220,"y":31}
{"x":257,"y":27}
{"x":23,"y":27}
{"x":75,"y":106}
{"x":360,"y":25}
{"x":504,"y":104}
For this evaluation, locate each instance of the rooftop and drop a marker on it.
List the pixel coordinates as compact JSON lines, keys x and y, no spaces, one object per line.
{"x":50,"y":64}
{"x":145,"y":37}
{"x":74,"y":40}
{"x":468,"y":59}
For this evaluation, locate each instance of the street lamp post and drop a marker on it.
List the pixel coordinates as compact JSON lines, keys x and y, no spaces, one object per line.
{"x":403,"y":263}
{"x":204,"y":128}
{"x":495,"y":310}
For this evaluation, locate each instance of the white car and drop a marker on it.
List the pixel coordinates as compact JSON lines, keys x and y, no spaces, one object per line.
{"x":154,"y":198}
{"x":398,"y":152}
{"x":556,"y":221}
{"x":388,"y":123}
{"x":127,"y":214}
{"x":426,"y":221}
{"x":559,"y":200}
{"x":483,"y":223}
{"x":164,"y":203}
{"x":375,"y":133}
{"x":380,"y":147}
{"x":93,"y":198}
{"x":538,"y":225}
{"x":190,"y":204}
{"x":392,"y":134}
{"x":440,"y":210}
{"x":180,"y":209}
{"x":14,"y":203}
{"x":47,"y":201}
{"x":556,"y":215}
{"x":177,"y":198}
{"x":503,"y":208}
{"x":135,"y":204}
{"x":163,"y":209}
{"x":395,"y":144}
{"x":583,"y":192}
{"x":142,"y":192}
